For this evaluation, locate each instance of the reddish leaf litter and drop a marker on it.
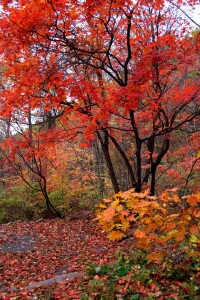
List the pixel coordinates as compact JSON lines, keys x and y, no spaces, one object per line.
{"x":51,"y":253}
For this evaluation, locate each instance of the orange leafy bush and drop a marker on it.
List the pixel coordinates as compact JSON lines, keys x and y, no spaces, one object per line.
{"x":153,"y":221}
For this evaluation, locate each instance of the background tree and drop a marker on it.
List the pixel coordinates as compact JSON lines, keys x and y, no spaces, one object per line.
{"x":124,"y":73}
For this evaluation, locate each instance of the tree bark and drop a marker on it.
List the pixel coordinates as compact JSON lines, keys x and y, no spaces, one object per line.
{"x":126,"y":161}
{"x":105,"y":148}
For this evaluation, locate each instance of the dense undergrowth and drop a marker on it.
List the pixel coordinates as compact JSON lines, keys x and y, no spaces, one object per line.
{"x":132,"y":276}
{"x":25,"y":204}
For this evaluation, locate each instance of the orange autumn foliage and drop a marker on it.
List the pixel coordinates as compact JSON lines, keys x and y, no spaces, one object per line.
{"x":154,"y":221}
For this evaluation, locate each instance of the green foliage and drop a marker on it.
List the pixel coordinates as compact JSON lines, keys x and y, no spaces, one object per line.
{"x":103,"y":279}
{"x":71,"y":200}
{"x":22,"y":203}
{"x":133,"y":277}
{"x":14,"y":205}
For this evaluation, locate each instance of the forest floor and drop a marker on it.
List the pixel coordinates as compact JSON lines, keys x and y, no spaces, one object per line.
{"x":39,"y":257}
{"x":47,"y":260}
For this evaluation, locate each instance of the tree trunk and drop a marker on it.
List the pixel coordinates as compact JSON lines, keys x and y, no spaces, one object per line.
{"x":154,"y":165}
{"x":99,"y":167}
{"x":105,"y":148}
{"x":50,"y":206}
{"x":126,"y":161}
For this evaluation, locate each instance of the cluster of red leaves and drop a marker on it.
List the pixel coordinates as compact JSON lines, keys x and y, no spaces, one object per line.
{"x":58,"y":244}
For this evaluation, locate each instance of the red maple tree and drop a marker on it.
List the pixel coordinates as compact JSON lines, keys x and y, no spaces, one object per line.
{"x":118,"y":70}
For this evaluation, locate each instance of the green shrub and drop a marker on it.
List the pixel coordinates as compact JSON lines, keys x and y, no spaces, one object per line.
{"x":18,"y":203}
{"x":131,"y":277}
{"x":23,"y":203}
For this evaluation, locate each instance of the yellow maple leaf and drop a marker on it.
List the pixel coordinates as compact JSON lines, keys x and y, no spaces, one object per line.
{"x":139,"y":234}
{"x":115,"y":203}
{"x":194,"y":239}
{"x":106,"y":226}
{"x":131,"y":218}
{"x":156,"y":256}
{"x":119,"y":208}
{"x":125,"y":225}
{"x":132,"y":203}
{"x":172,"y":234}
{"x":108,"y":214}
{"x":101,"y":205}
{"x":125,"y":212}
{"x":115,"y":235}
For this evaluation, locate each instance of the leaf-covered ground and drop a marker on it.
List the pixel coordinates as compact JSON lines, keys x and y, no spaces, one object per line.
{"x":56,"y":247}
{"x":46,"y":251}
